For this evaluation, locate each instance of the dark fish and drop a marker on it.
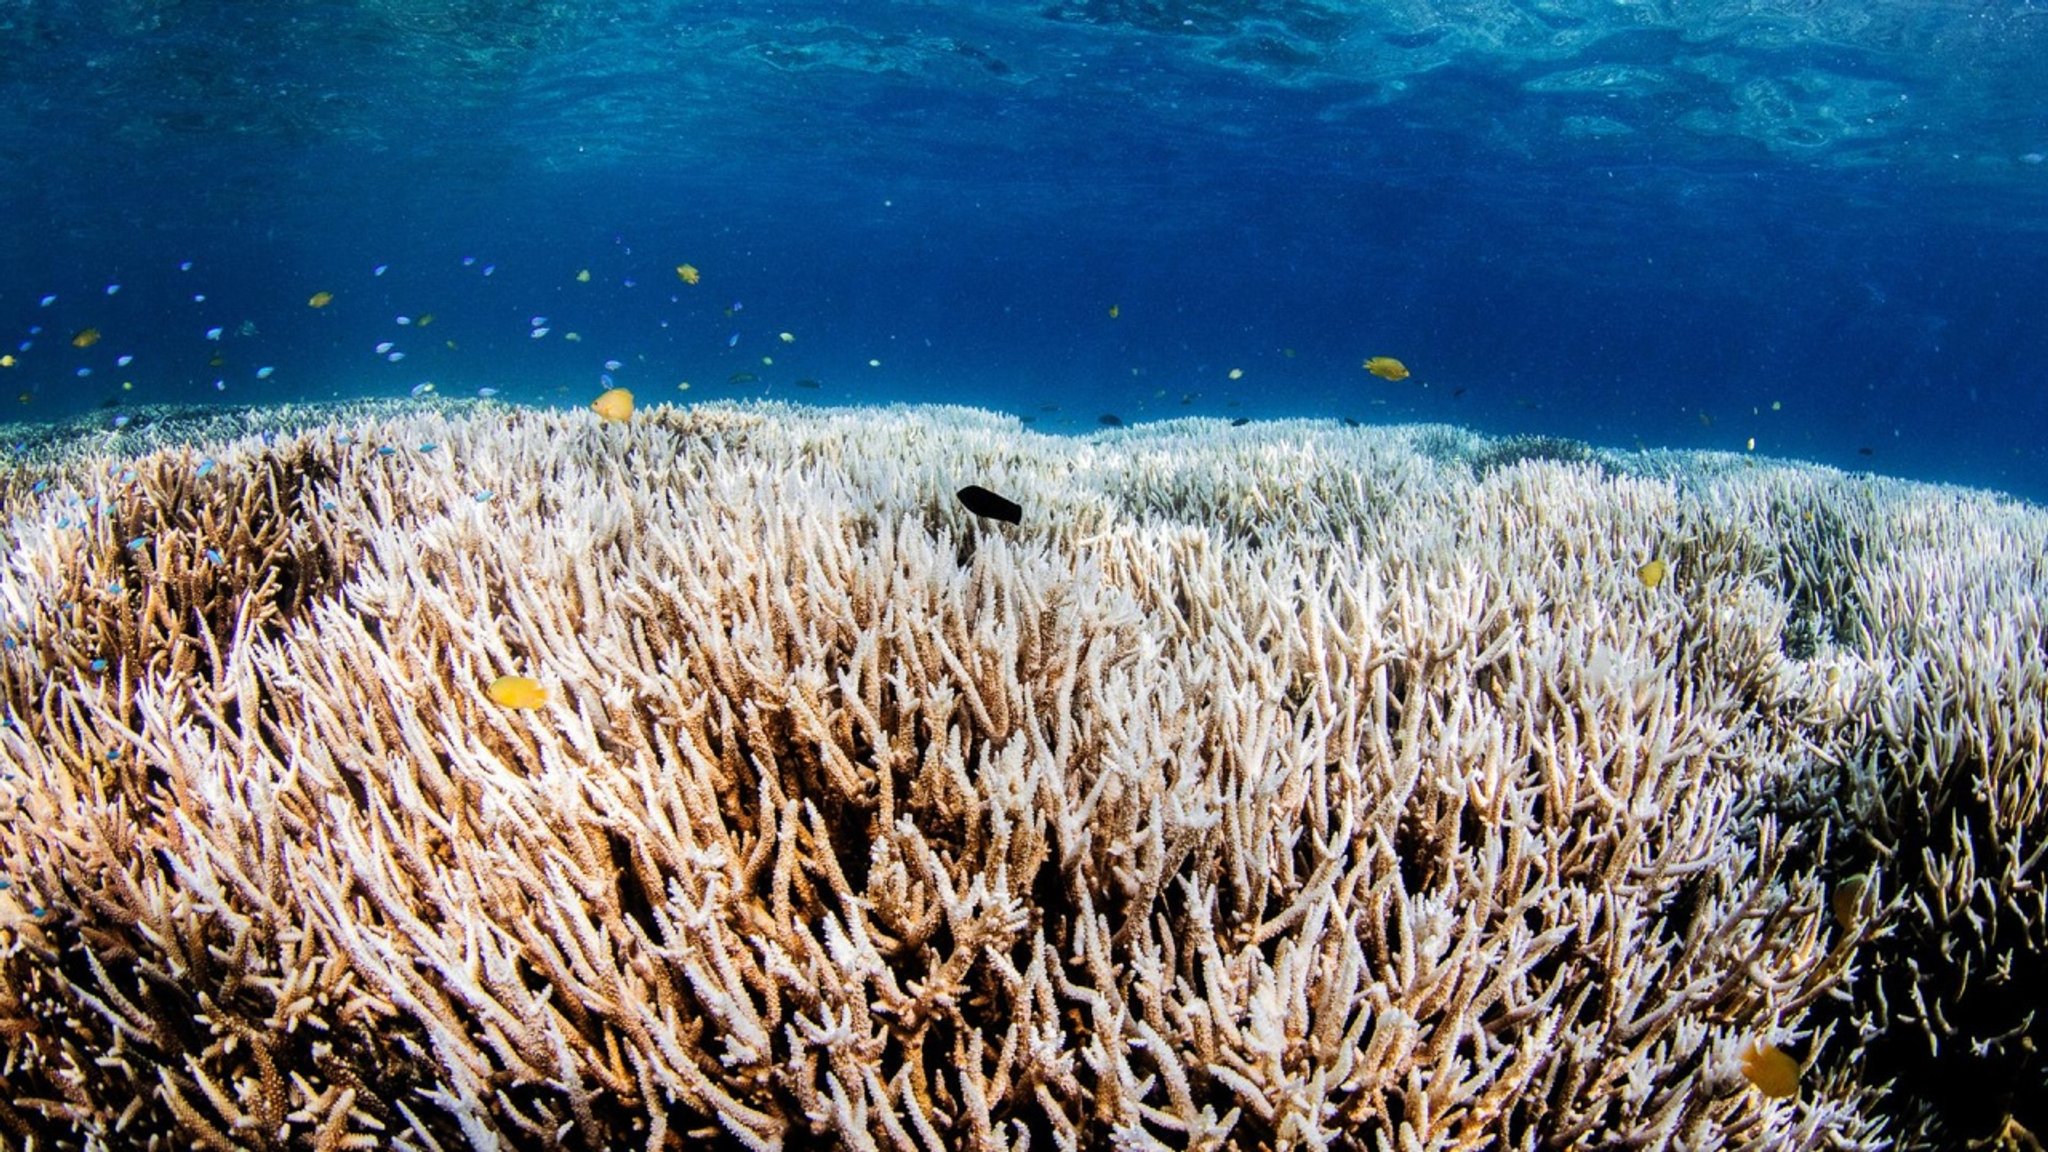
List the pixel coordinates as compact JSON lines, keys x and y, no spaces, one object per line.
{"x":1457,"y":392}
{"x":807,"y":382}
{"x":983,"y":502}
{"x":1240,"y":422}
{"x":1110,"y":420}
{"x":1866,"y":451}
{"x":1350,"y":422}
{"x":742,"y":378}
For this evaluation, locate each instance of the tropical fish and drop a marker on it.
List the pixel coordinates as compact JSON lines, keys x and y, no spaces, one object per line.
{"x":1110,"y":420}
{"x":741,"y":378}
{"x":1774,"y":1073}
{"x":518,"y":692}
{"x":1115,"y":310}
{"x":1847,"y":900}
{"x":807,"y":382}
{"x":85,"y":338}
{"x":320,"y":300}
{"x":539,"y":332}
{"x":614,"y":404}
{"x":1653,"y":573}
{"x":213,"y":333}
{"x":983,"y":502}
{"x":1386,"y":368}
{"x":425,"y":319}
{"x":583,"y":277}
{"x":264,"y":372}
{"x":1237,"y":373}
{"x":786,"y":337}
{"x":687,"y":273}
{"x":7,"y":361}
{"x":732,"y":341}
{"x":384,"y":346}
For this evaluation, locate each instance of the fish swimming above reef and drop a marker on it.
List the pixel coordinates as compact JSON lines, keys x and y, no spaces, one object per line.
{"x":517,"y":692}
{"x":1110,"y":420}
{"x":615,"y":404}
{"x":983,"y":502}
{"x":1386,"y":368}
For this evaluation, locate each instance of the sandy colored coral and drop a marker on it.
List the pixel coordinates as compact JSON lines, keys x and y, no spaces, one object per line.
{"x":1288,"y":786}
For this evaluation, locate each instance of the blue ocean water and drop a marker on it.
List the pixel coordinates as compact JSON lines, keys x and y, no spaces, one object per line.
{"x":1819,"y":226}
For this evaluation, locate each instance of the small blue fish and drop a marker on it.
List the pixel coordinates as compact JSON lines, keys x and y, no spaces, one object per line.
{"x":386,"y":450}
{"x":394,"y":357}
{"x":422,"y":388}
{"x":39,"y":487}
{"x":732,"y":341}
{"x":484,"y":497}
{"x":379,"y":269}
{"x":214,"y":333}
{"x":487,"y":392}
{"x":537,"y":333}
{"x":98,"y":664}
{"x":327,"y":505}
{"x":612,"y":365}
{"x":214,"y":557}
{"x":83,"y":372}
{"x":630,"y":282}
{"x":384,"y":346}
{"x":736,"y":306}
{"x":199,"y":297}
{"x":127,"y":475}
{"x":429,"y":446}
{"x":490,"y":268}
{"x":205,"y":466}
{"x":537,"y":322}
{"x":264,"y":372}
{"x":220,"y":385}
{"x":114,"y":588}
{"x":123,"y":361}
{"x":605,"y":378}
{"x":48,"y":300}
{"x":184,"y":265}
{"x":113,"y":288}
{"x":402,"y":320}
{"x":468,"y":261}
{"x":120,"y":420}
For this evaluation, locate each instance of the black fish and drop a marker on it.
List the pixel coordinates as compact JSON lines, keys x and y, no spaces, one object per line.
{"x":983,"y":502}
{"x":1240,"y":422}
{"x":742,"y":378}
{"x":1110,"y":420}
{"x":807,"y":382}
{"x":1866,"y":450}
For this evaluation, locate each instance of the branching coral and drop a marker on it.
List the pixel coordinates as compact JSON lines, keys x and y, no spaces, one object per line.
{"x":1279,"y":791}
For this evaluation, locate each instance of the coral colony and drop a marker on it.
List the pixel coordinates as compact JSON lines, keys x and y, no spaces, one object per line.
{"x":473,"y":777}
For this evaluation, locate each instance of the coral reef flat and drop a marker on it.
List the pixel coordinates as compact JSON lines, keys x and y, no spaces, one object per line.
{"x":491,"y":777}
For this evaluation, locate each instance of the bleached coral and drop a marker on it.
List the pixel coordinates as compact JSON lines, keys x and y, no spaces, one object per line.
{"x":1277,"y":787}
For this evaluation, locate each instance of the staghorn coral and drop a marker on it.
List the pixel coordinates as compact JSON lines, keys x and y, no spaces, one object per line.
{"x":1295,"y":789}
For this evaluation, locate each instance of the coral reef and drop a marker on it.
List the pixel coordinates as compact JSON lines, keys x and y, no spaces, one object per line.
{"x":1302,"y":787}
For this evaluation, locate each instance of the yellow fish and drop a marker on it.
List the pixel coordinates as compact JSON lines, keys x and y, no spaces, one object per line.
{"x":7,"y":361}
{"x":687,"y":273}
{"x":1115,"y":310}
{"x":1652,"y":574}
{"x":583,"y":277}
{"x":85,"y":338}
{"x":518,"y":692}
{"x":1237,"y":373}
{"x":424,"y":320}
{"x":615,"y":404}
{"x":1848,"y":900}
{"x":787,"y":337}
{"x":320,"y":300}
{"x":1774,"y":1073}
{"x":1386,"y":368}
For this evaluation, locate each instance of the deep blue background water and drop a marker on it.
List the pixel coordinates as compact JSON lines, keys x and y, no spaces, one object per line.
{"x":1820,"y":225}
